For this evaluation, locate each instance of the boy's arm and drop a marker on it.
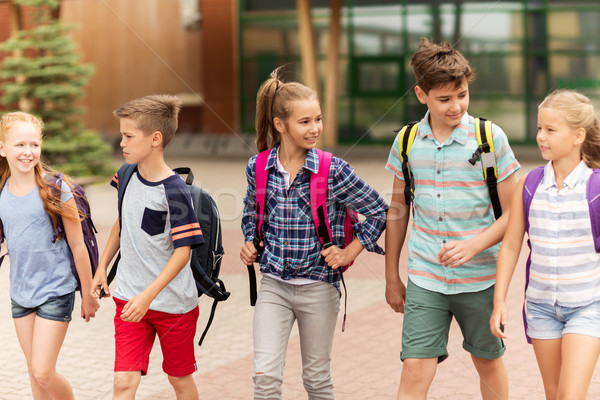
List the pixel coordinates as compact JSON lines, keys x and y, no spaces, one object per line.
{"x":136,"y":308}
{"x":112,"y":246}
{"x":74,"y":237}
{"x":396,"y":226}
{"x":507,"y":261}
{"x":458,"y":252}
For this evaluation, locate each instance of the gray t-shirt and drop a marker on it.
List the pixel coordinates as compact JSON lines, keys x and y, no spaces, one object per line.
{"x":156,"y":218}
{"x":39,"y":269}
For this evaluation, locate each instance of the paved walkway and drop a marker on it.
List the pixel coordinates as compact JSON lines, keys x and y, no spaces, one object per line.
{"x":366,"y":361}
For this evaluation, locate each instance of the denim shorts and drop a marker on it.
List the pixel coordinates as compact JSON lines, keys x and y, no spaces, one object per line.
{"x":545,"y":321}
{"x":57,"y":308}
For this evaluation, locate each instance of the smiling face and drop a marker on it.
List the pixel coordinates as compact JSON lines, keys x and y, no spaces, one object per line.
{"x":22,"y":147}
{"x":304,"y":125}
{"x":555,"y":138}
{"x":446,"y":104}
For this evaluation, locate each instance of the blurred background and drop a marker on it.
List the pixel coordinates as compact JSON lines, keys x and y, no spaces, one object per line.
{"x":214,"y":54}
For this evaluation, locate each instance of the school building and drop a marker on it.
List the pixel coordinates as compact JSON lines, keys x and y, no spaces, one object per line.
{"x":216,"y":53}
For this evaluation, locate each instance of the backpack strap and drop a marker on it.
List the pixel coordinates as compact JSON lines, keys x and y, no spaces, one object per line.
{"x":593,"y":198}
{"x":318,"y":198}
{"x":485,"y":151}
{"x":261,"y":176}
{"x":318,"y":209}
{"x":124,"y":174}
{"x":405,"y":141}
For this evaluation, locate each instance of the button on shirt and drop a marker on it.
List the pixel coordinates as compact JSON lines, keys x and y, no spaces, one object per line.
{"x":565,"y":268}
{"x":452,"y":202}
{"x":292,"y":248}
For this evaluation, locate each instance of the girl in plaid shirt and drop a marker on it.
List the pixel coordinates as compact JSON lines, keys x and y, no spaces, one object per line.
{"x":300,"y":279}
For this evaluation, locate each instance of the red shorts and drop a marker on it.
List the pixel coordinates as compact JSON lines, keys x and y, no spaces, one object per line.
{"x":134,"y":341}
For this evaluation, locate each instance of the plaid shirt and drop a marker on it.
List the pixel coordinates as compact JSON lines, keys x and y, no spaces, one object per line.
{"x":292,"y":249}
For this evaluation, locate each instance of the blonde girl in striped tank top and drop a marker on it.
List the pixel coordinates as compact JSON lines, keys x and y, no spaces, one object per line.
{"x":563,"y":294}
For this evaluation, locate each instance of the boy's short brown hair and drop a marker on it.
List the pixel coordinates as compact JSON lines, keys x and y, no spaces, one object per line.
{"x":153,"y":113}
{"x":436,"y":65}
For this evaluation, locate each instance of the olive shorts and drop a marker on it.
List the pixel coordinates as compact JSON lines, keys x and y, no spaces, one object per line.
{"x":427,"y":318}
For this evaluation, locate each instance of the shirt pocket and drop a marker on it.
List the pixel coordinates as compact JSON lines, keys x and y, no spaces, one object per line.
{"x":154,"y":221}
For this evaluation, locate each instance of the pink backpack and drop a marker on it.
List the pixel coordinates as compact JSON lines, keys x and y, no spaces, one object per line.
{"x":318,"y":206}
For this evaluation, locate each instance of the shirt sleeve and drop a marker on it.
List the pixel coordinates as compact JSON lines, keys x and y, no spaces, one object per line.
{"x":353,"y":192}
{"x":506,"y":163}
{"x":115,"y":181}
{"x":249,"y":216}
{"x":394,"y":163}
{"x":185,"y":228}
{"x":65,"y":192}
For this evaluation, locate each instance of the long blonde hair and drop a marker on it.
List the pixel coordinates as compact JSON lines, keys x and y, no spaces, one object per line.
{"x":578,"y":112}
{"x":53,"y":205}
{"x":273,"y":101}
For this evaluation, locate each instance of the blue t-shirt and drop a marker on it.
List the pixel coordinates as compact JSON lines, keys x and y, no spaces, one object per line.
{"x":39,"y":269}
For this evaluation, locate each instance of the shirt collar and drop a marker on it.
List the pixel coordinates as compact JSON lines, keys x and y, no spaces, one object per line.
{"x":460,"y":134}
{"x":311,"y":163}
{"x":575,"y":177}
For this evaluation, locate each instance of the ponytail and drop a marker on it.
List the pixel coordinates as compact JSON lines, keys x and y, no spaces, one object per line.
{"x":273,"y":100}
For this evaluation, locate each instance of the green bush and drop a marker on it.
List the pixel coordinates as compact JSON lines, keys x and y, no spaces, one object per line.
{"x":41,"y":74}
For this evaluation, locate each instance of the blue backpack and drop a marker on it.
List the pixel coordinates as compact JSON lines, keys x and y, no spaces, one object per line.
{"x":87,"y":225}
{"x":532,"y":181}
{"x":205,"y":258}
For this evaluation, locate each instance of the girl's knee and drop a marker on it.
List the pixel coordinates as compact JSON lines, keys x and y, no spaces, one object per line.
{"x":43,"y":376}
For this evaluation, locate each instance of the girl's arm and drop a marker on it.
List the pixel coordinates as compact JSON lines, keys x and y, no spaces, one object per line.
{"x":136,"y":308}
{"x":74,"y":237}
{"x":507,"y":261}
{"x":396,"y":226}
{"x":110,"y":250}
{"x":248,"y":252}
{"x":458,"y":252}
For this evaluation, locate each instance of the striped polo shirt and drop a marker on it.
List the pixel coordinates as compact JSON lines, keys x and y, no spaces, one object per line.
{"x":565,"y":268}
{"x":452,"y":202}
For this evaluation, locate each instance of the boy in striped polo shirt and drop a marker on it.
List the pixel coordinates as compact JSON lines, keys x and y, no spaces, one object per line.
{"x":454,"y":238}
{"x":156,"y":293}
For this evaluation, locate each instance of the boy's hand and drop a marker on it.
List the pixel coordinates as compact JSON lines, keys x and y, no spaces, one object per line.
{"x":498,"y":320}
{"x":248,"y":253}
{"x":136,"y":308}
{"x":395,"y":294}
{"x":89,"y":306}
{"x":336,"y":257}
{"x":100,"y":282}
{"x":456,"y":252}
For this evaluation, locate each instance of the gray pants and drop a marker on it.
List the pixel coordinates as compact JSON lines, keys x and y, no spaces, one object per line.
{"x":279,"y":304}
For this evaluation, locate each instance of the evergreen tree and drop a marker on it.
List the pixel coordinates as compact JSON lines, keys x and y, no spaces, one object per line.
{"x":43,"y":75}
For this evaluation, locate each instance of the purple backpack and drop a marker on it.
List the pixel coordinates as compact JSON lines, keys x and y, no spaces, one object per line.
{"x":532,"y":181}
{"x":87,"y":225}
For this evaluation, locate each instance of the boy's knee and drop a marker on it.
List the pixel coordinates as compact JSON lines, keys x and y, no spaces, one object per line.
{"x":126,"y":382}
{"x":485,"y":366}
{"x":182,"y":384}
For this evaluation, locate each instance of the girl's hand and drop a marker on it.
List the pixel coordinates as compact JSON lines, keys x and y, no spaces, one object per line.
{"x":249,"y":253}
{"x":136,"y":308}
{"x":455,"y":253}
{"x":498,"y":320}
{"x":395,"y":294}
{"x":89,"y":306}
{"x":100,"y":282}
{"x":336,"y":257}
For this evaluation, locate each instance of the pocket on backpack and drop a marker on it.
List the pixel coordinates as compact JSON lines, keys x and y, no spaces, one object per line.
{"x":154,"y":221}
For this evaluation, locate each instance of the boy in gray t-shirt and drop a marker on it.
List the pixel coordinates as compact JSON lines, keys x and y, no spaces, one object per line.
{"x":156,"y":293}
